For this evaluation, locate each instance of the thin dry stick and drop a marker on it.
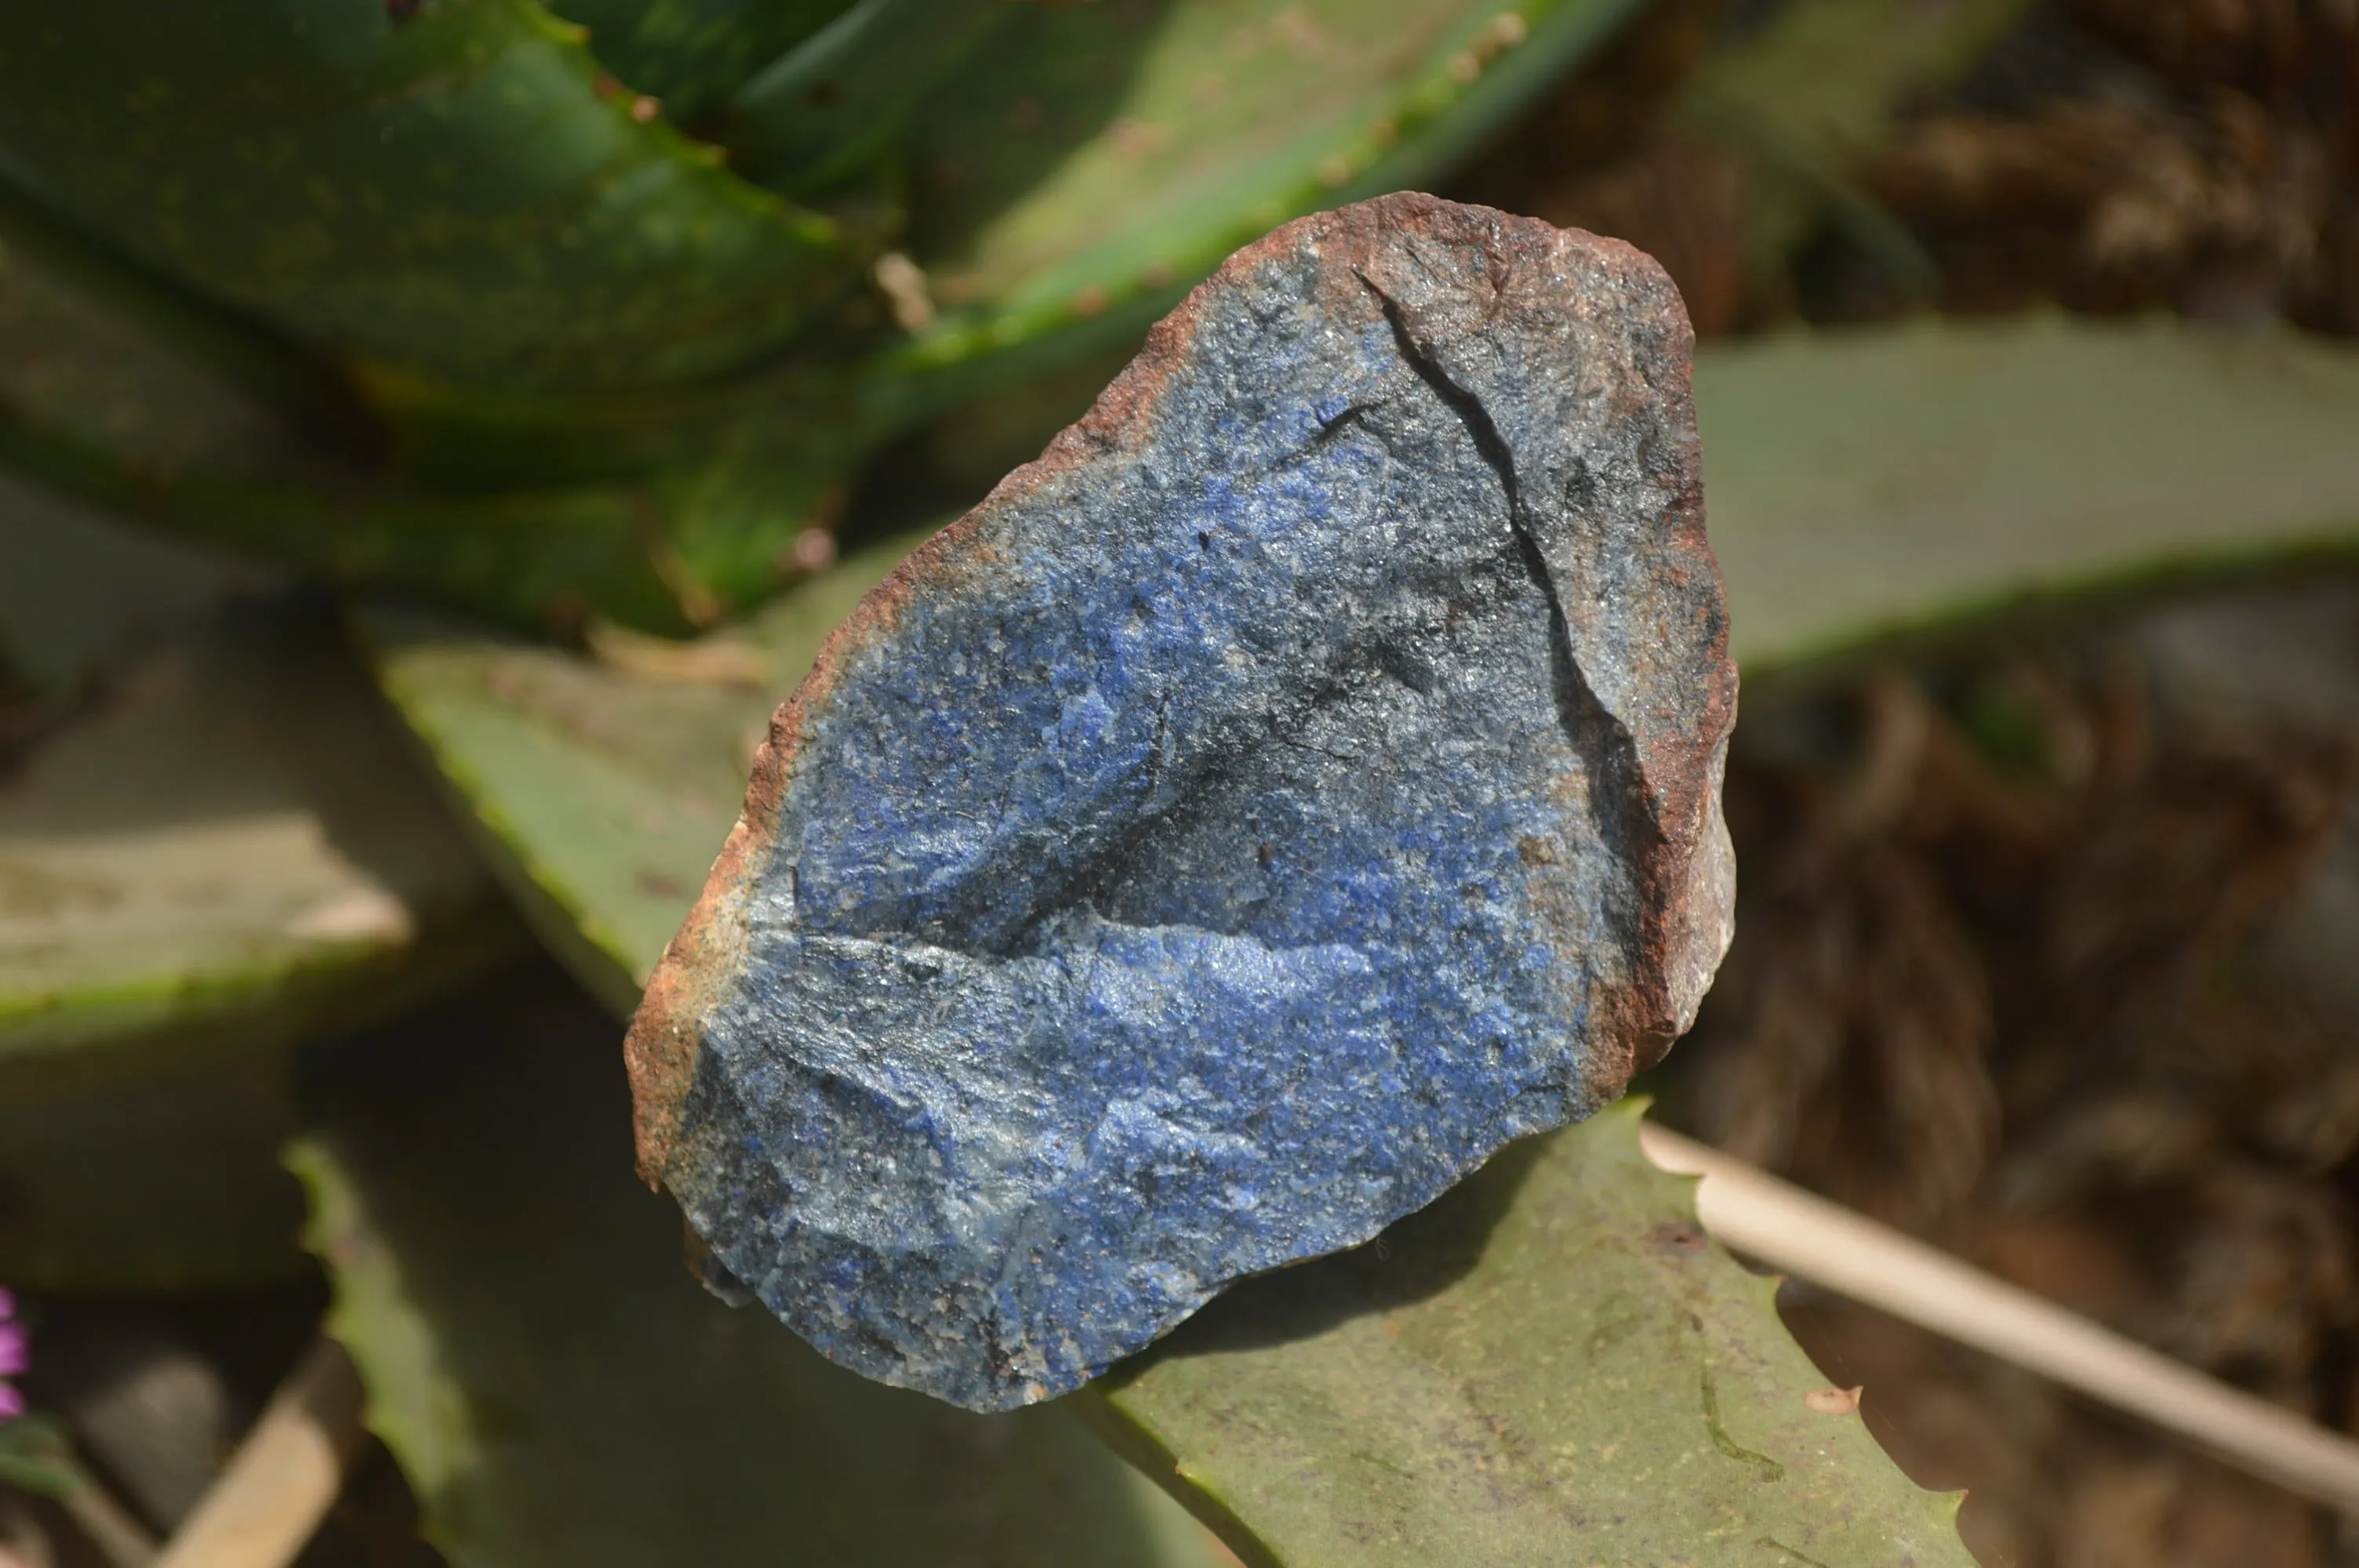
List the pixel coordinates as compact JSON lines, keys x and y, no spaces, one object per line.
{"x":122,"y":1539}
{"x":284,"y":1477}
{"x":1752,"y":1212}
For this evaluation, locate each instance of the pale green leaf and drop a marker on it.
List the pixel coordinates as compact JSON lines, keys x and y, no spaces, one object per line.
{"x":1865,"y":485}
{"x":231,"y":849}
{"x":222,"y":847}
{"x":1548,"y":1366}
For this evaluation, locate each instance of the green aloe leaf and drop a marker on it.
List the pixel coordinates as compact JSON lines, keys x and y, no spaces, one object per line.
{"x":216,"y":839}
{"x":559,"y":1390}
{"x":609,"y":512}
{"x":1096,"y":157}
{"x":453,"y":186}
{"x":98,"y":349}
{"x":608,"y":789}
{"x":123,"y":394}
{"x":830,"y":108}
{"x":675,"y":550}
{"x":152,"y":807}
{"x":692,"y":54}
{"x":222,"y":847}
{"x":230,"y":849}
{"x":1549,"y":1364}
{"x":1863,"y":485}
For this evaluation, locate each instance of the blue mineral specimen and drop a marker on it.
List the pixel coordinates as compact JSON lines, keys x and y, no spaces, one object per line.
{"x":1300,"y":782}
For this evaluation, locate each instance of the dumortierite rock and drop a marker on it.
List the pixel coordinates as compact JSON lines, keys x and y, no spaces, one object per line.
{"x":1301,"y":781}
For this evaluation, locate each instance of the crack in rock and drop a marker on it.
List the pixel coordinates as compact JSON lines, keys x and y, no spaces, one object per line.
{"x":1300,"y":782}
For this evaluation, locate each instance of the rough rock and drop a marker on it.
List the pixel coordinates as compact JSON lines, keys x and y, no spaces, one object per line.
{"x":1300,"y":782}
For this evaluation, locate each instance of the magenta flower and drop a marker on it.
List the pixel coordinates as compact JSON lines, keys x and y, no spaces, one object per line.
{"x":14,"y":1357}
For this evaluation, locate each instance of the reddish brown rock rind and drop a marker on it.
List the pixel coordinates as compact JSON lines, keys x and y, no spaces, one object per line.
{"x":1689,"y":889}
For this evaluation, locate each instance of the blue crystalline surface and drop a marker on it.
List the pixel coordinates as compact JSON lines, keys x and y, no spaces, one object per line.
{"x":1200,"y":874}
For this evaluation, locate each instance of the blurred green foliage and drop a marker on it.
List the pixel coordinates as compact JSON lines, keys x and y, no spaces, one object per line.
{"x":549,"y":352}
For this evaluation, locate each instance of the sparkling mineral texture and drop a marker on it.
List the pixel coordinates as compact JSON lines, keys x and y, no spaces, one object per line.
{"x":1301,"y":781}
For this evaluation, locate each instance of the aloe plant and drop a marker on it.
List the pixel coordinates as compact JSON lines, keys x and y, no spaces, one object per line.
{"x":506,"y":319}
{"x":580,"y":358}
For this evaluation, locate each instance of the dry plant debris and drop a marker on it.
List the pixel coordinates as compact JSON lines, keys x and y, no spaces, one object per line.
{"x":2034,"y":958}
{"x":2109,"y":156}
